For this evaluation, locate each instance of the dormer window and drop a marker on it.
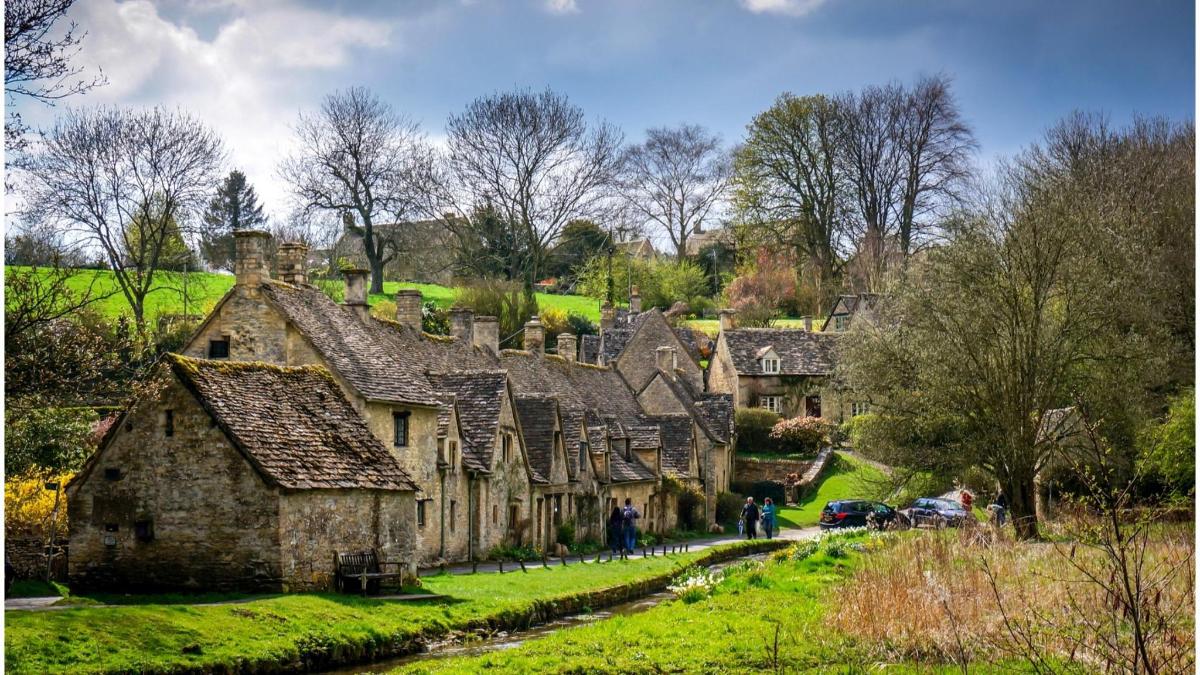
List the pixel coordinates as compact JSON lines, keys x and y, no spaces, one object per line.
{"x":839,"y":323}
{"x":770,"y":365}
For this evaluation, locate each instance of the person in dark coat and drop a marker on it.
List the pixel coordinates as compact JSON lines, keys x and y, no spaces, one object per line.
{"x":750,"y":517}
{"x":616,"y":523}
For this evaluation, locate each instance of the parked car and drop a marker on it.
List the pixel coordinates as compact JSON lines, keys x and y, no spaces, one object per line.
{"x":858,"y":513}
{"x":933,"y":512}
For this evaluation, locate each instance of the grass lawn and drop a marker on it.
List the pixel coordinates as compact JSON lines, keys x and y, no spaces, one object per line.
{"x":711,"y":326}
{"x":36,"y":589}
{"x":158,"y":633}
{"x":845,"y":478}
{"x":207,"y":288}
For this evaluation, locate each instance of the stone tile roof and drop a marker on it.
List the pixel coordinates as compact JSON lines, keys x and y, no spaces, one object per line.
{"x":597,"y":438}
{"x":537,"y":416}
{"x":479,"y":396}
{"x":598,"y":391}
{"x":644,"y":437}
{"x":688,"y":337}
{"x":628,"y":470}
{"x":800,"y":352}
{"x":351,"y":346}
{"x":624,"y":327}
{"x":445,"y":412}
{"x":293,"y":424}
{"x":589,"y":348}
{"x":676,"y":431}
{"x":716,"y":414}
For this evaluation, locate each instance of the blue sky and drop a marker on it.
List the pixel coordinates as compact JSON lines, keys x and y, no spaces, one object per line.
{"x":247,"y":67}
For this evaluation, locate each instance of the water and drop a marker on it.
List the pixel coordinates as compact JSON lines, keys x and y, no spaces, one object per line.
{"x":472,"y":644}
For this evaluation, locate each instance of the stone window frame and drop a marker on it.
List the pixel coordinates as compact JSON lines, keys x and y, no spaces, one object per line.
{"x":421,"y":512}
{"x":453,"y":513}
{"x":495,"y":514}
{"x":840,"y":322}
{"x":771,"y":365}
{"x":506,"y":443}
{"x":224,"y":340}
{"x":772,"y":403}
{"x":400,"y":420}
{"x":859,"y":408}
{"x":453,"y":453}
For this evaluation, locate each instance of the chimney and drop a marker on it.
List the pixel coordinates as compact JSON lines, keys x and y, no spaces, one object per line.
{"x":567,"y":346}
{"x":290,"y":262}
{"x":249,"y":261}
{"x":727,"y":319}
{"x":408,"y":307}
{"x":535,"y":336}
{"x":667,"y":360}
{"x":635,"y":301}
{"x":487,"y":333}
{"x":608,"y":317}
{"x":355,"y":295}
{"x":808,"y":324}
{"x":462,"y":324}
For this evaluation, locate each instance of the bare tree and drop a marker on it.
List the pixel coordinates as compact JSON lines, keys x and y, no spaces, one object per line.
{"x":675,"y":179}
{"x":37,"y":60}
{"x":535,"y":159}
{"x":130,"y":181}
{"x":936,"y":146}
{"x":358,"y":157}
{"x":789,"y":185}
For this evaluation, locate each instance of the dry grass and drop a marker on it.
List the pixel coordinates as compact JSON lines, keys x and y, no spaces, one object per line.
{"x":970,"y":596}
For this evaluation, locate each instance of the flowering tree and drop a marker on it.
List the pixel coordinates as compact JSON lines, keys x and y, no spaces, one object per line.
{"x":805,"y":435}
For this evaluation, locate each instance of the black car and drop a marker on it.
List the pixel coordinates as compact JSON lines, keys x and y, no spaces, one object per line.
{"x":937,"y":513}
{"x":856,"y":513}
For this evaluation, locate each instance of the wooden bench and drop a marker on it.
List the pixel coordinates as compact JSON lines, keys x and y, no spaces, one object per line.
{"x":364,"y":570}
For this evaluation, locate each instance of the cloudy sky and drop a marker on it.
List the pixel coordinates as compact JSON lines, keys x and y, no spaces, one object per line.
{"x":247,"y":67}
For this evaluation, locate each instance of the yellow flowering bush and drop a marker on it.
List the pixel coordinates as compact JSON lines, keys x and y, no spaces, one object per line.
{"x":29,"y":506}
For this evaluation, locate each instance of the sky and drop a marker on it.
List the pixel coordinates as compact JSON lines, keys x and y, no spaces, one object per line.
{"x":247,"y":68}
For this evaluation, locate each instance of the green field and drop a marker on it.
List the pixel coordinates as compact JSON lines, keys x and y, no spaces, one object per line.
{"x":845,"y":478}
{"x":207,"y":288}
{"x":711,"y":326}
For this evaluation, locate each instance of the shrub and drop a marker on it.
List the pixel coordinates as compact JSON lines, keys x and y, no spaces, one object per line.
{"x":566,"y":533}
{"x":729,"y":507}
{"x":1169,"y":448}
{"x":803,"y":435}
{"x":28,"y":505}
{"x":507,"y":552}
{"x":693,"y":584}
{"x":660,"y":283}
{"x":691,"y":510}
{"x":765,"y":292}
{"x":505,"y":300}
{"x":760,"y":490}
{"x":753,"y":427}
{"x":434,"y":320}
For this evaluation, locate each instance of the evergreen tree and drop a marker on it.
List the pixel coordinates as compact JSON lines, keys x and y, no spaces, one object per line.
{"x":234,"y":207}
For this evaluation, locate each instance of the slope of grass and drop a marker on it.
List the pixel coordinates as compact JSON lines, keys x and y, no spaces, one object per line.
{"x":273,"y":633}
{"x":711,"y":327}
{"x":845,"y":478}
{"x":205,"y":289}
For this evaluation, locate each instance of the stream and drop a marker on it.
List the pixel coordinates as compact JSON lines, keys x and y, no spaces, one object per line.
{"x":472,"y":645}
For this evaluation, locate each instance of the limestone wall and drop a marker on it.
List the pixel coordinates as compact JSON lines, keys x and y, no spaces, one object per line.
{"x":638,"y":362}
{"x":213,"y":519}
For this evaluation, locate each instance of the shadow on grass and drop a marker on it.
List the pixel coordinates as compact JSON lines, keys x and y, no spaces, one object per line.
{"x":215,"y":598}
{"x":36,"y":589}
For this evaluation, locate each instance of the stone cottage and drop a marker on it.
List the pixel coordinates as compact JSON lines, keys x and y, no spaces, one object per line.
{"x":236,"y":476}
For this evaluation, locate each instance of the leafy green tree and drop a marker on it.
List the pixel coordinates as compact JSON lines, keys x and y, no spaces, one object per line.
{"x":660,"y":283}
{"x":580,"y":240}
{"x":1169,"y":447}
{"x":234,"y":207}
{"x":490,"y":247}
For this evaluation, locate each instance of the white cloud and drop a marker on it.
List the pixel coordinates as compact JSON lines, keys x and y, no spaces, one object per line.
{"x":561,"y":6}
{"x":785,"y":7}
{"x":265,"y":62}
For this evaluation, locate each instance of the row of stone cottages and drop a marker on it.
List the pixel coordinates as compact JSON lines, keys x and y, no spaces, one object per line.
{"x":291,"y":427}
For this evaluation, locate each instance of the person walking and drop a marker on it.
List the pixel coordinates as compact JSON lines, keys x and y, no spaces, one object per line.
{"x":629,"y":516}
{"x":768,"y":517}
{"x":1000,"y":508}
{"x":750,"y":516}
{"x":616,"y":525}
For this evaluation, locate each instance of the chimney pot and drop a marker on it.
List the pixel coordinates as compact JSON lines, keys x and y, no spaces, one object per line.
{"x":408,"y":307}
{"x":535,"y":336}
{"x":487,"y":333}
{"x":567,"y":347}
{"x":635,"y":301}
{"x":462,"y":324}
{"x":249,"y":261}
{"x":808,"y":324}
{"x":728,"y":318}
{"x":355,"y":295}
{"x":290,"y":261}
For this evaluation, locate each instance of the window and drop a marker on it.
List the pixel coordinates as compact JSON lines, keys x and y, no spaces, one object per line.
{"x":453,"y":512}
{"x":112,"y":474}
{"x":770,"y":365}
{"x":218,"y":349}
{"x":772,"y":403}
{"x":169,"y":423}
{"x":144,"y":530}
{"x":506,"y":447}
{"x":400,"y":429}
{"x":454,"y":453}
{"x":512,"y":517}
{"x":420,"y":513}
{"x":840,"y":322}
{"x":495,"y":514}
{"x":859,"y":408}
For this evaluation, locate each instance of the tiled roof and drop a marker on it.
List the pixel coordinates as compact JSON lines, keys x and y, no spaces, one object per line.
{"x":688,"y":337}
{"x":600,"y":391}
{"x":293,"y":424}
{"x":644,"y":437}
{"x":716,"y":415}
{"x":445,"y":412}
{"x":676,"y":433}
{"x":479,"y":395}
{"x":628,"y":470}
{"x":800,"y":352}
{"x":623,"y":330}
{"x":350,"y":346}
{"x":537,"y":415}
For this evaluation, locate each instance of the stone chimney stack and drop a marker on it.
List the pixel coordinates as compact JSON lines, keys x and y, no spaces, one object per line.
{"x":462,"y":324}
{"x":567,"y":347}
{"x":808,"y":324}
{"x":728,"y":319}
{"x":408,"y":307}
{"x":487,"y":333}
{"x":635,"y":301}
{"x":667,"y":360}
{"x":291,"y":260}
{"x":535,"y":336}
{"x":250,"y":261}
{"x":355,"y":295}
{"x":608,"y":316}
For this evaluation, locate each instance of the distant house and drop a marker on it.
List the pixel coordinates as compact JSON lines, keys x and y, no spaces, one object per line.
{"x":847,"y":309}
{"x":637,"y":248}
{"x":698,"y":239}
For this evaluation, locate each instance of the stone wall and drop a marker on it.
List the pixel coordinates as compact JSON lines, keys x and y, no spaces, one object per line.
{"x":638,"y":362}
{"x":314,"y":525}
{"x":748,"y":469}
{"x":27,"y":555}
{"x":255,"y":329}
{"x":507,"y":486}
{"x":212,"y":521}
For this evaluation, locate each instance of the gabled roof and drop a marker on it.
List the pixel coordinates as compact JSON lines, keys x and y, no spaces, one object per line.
{"x":538,"y":418}
{"x":800,"y":352}
{"x":292,"y":424}
{"x":479,"y":395}
{"x":351,"y":346}
{"x":676,"y":431}
{"x":851,"y":305}
{"x":716,"y":415}
{"x":630,"y":470}
{"x":644,"y":437}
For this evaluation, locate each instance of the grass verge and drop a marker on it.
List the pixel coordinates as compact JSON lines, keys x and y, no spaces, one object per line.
{"x":845,"y":477}
{"x":309,"y":631}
